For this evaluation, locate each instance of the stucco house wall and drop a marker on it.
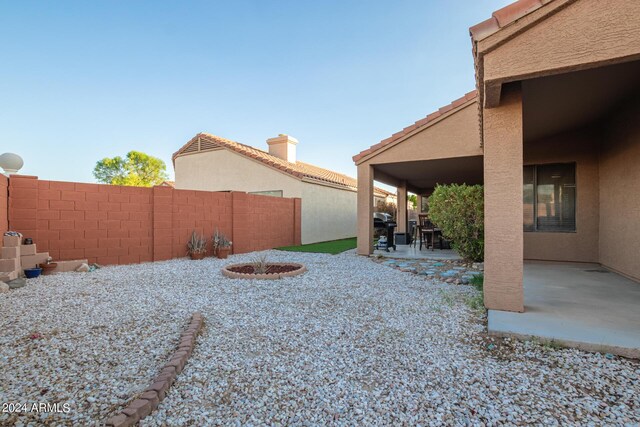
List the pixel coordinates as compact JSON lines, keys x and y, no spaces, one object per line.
{"x":579,"y":147}
{"x":453,"y":135}
{"x":619,"y":243}
{"x":327,"y":213}
{"x":223,"y":170}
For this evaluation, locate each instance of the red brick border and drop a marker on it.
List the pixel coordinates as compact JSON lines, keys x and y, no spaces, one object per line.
{"x":266,"y":276}
{"x":149,"y":400}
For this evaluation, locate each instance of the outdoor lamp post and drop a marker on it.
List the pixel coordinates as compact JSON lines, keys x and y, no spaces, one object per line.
{"x":11,"y":163}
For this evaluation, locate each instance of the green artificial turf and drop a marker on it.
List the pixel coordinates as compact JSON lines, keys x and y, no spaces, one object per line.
{"x":332,"y":247}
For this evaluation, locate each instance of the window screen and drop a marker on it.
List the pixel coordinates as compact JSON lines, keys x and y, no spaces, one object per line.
{"x":549,"y":197}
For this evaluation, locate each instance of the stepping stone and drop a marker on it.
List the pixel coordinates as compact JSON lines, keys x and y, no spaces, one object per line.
{"x":449,"y":273}
{"x":429,"y":272}
{"x":439,"y":264}
{"x":17,"y":283}
{"x":459,"y":268}
{"x":474,"y":273}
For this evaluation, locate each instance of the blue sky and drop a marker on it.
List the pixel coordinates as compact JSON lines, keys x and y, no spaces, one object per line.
{"x":83,"y":80}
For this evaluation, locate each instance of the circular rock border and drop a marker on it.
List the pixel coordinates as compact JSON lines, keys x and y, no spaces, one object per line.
{"x":266,"y":276}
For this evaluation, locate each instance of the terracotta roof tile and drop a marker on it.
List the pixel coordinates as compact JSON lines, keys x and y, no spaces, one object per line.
{"x":514,"y":11}
{"x":420,"y":123}
{"x":505,"y":16}
{"x":299,"y":169}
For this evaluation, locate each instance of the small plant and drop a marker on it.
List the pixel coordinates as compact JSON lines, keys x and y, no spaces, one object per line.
{"x":477,"y":281}
{"x":260,"y":265}
{"x":475,"y":302}
{"x":197,"y":244}
{"x":220,"y":240}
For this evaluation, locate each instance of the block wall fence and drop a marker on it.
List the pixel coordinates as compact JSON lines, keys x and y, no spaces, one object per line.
{"x":4,"y":200}
{"x":111,"y":224}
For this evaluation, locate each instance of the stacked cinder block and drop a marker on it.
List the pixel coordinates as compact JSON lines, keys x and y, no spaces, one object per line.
{"x":16,"y":257}
{"x":10,"y":266}
{"x":30,"y":258}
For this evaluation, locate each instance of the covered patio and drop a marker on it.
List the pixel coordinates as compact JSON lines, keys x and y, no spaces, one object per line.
{"x":576,"y":304}
{"x":414,"y":252}
{"x":561,"y":141}
{"x":442,"y":148}
{"x":554,"y":136}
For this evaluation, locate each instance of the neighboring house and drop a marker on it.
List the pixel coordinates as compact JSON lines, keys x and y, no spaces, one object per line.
{"x":553,"y":133}
{"x":383,"y":196}
{"x":208,"y":162}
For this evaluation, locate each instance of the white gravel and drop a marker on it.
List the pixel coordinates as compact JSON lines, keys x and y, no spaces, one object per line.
{"x":350,"y":342}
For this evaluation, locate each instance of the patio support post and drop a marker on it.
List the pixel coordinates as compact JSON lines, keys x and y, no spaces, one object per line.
{"x":503,"y":160}
{"x":365,"y":209}
{"x":402,"y":207}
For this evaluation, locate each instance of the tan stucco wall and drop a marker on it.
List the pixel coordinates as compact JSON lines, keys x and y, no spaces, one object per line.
{"x":223,"y":170}
{"x":365,"y":209}
{"x":503,"y":156}
{"x":327,"y":213}
{"x":583,"y":33}
{"x":455,"y":135}
{"x":620,"y":192}
{"x":580,"y":147}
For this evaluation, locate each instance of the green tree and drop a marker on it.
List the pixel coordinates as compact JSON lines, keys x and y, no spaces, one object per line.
{"x":458,"y":210}
{"x":413,"y":199}
{"x":136,"y":169}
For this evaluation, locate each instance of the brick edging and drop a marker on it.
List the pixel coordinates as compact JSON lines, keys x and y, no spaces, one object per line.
{"x":149,"y":400}
{"x":265,"y":276}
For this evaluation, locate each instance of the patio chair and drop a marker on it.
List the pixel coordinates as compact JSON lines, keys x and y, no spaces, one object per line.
{"x":429,"y":232}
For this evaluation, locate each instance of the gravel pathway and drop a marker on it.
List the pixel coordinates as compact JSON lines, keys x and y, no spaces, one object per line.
{"x":350,"y":342}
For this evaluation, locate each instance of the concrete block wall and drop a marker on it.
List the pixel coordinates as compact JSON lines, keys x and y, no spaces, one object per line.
{"x":263,"y":222}
{"x":4,"y":200}
{"x":125,"y":225}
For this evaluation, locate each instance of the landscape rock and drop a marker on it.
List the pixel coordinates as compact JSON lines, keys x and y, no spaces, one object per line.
{"x":350,"y":342}
{"x":17,"y":283}
{"x":83,"y":268}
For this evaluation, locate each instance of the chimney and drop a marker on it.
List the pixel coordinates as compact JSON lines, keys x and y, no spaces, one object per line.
{"x":284,"y":147}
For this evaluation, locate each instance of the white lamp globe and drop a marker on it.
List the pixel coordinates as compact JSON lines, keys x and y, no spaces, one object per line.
{"x":11,"y":163}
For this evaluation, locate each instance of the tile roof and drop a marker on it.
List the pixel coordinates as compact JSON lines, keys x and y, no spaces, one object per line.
{"x":300,"y":170}
{"x":428,"y":120}
{"x":505,"y":16}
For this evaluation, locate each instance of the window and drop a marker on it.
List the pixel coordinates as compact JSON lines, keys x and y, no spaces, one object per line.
{"x":549,"y":197}
{"x":273,"y":193}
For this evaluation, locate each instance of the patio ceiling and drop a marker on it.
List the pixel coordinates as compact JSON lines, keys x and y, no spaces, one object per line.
{"x":569,"y":101}
{"x":423,"y":175}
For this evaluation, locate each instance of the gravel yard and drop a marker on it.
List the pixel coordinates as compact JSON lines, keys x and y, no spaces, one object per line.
{"x":349,"y":342}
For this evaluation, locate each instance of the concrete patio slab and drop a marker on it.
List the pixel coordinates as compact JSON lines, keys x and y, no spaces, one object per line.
{"x":578,"y":305}
{"x":410,"y":252}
